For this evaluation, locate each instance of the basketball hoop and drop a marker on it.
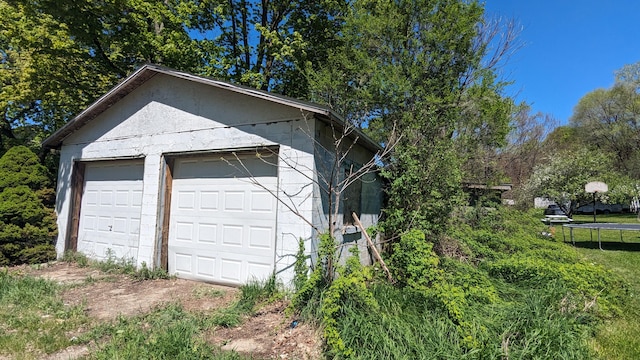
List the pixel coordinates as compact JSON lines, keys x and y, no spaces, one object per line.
{"x":595,"y":187}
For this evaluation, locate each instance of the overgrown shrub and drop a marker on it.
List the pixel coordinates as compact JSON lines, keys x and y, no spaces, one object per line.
{"x":494,"y":289}
{"x":413,"y":262}
{"x":300,"y":267}
{"x":27,"y":225}
{"x":348,"y":291}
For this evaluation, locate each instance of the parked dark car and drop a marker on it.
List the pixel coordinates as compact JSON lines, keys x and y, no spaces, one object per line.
{"x":554,"y":209}
{"x":600,"y":208}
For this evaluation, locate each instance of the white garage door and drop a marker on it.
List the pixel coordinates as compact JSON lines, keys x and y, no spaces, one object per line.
{"x":110,"y":209}
{"x":222,"y":226}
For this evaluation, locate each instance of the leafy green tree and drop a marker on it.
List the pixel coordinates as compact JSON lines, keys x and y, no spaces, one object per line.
{"x":413,"y":73}
{"x":563,"y":138}
{"x":563,"y":178}
{"x":609,"y":120}
{"x":267,"y":44}
{"x":56,"y":57}
{"x":27,"y":226}
{"x":37,"y":85}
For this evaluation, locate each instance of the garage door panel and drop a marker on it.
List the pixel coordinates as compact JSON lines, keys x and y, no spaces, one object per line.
{"x":206,"y":266}
{"x":106,"y":197}
{"x":207,"y":233}
{"x":262,"y":201}
{"x":261,"y":237}
{"x":214,"y":168}
{"x":186,"y":200}
{"x":231,"y":270}
{"x":230,"y":220}
{"x":232,"y":235}
{"x":110,"y":209}
{"x":227,"y":267}
{"x":234,"y":201}
{"x":90,"y":197}
{"x":183,"y":262}
{"x":209,"y":200}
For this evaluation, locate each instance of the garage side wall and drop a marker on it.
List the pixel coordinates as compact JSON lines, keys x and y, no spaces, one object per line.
{"x":363,"y":197}
{"x":173,"y":116}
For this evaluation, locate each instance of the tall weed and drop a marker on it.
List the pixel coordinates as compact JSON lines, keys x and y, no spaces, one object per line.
{"x":114,"y":265}
{"x":251,"y":295}
{"x":33,"y":319}
{"x":498,"y":289}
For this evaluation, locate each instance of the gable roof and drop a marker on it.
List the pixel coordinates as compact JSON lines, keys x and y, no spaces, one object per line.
{"x":148,"y":71}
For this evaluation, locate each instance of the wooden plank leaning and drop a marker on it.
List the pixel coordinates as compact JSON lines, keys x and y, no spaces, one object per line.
{"x":376,"y":254}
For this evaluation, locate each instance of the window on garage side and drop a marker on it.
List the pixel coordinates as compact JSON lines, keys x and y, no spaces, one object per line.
{"x":351,"y":196}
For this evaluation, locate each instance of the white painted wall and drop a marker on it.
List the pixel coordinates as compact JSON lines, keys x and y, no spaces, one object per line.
{"x":542,"y":203}
{"x":171,"y":115}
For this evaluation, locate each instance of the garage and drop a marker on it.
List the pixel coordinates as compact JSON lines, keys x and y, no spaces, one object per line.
{"x":109,"y":221}
{"x":222,"y":218}
{"x":188,"y":212}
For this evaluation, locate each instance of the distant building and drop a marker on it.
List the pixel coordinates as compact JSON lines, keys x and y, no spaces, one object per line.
{"x":491,"y":193}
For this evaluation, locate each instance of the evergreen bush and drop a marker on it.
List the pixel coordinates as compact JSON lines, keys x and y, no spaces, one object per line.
{"x":27,"y":225}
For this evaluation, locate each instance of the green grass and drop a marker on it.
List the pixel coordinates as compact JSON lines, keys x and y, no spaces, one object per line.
{"x":114,"y":265}
{"x":409,"y":326}
{"x":203,"y":292}
{"x":35,"y":322}
{"x":617,"y":337}
{"x":33,"y":319}
{"x":169,"y":332}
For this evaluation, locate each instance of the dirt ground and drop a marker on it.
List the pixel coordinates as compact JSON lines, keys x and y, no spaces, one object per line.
{"x":266,"y":335}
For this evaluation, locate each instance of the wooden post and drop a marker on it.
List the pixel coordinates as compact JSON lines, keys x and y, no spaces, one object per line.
{"x":166,"y":213}
{"x":77,"y":188}
{"x":373,"y":247}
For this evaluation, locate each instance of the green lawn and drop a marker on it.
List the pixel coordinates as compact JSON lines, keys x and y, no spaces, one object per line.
{"x":616,"y":338}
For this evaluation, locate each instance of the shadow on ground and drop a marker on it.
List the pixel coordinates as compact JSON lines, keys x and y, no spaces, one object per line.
{"x":608,"y":245}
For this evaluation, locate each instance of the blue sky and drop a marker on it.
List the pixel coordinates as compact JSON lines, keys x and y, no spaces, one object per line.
{"x":569,"y":48}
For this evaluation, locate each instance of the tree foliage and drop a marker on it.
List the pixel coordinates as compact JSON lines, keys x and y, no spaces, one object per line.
{"x":608,"y":120}
{"x":414,"y":72}
{"x":56,"y":57}
{"x":266,"y":44}
{"x":563,"y":178}
{"x":417,"y":72}
{"x":526,"y":144}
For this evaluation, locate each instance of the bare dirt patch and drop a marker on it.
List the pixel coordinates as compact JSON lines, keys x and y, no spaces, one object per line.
{"x":105,"y":296}
{"x":271,"y":334}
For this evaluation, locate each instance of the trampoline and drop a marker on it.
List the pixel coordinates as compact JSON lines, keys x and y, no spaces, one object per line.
{"x":598,"y":226}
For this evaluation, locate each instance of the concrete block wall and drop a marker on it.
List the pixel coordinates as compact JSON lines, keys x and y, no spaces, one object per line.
{"x":295,"y":199}
{"x":370,"y":195}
